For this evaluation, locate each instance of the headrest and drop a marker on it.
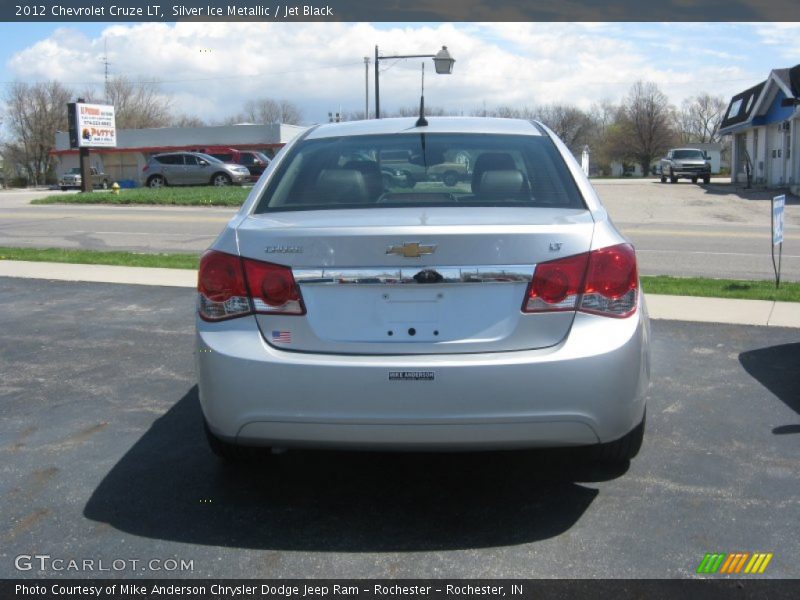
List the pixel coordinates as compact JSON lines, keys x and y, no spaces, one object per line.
{"x":490,"y":161}
{"x":501,"y":185}
{"x":341,"y":186}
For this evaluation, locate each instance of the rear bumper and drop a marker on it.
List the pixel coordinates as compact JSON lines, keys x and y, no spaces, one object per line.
{"x":590,"y":388}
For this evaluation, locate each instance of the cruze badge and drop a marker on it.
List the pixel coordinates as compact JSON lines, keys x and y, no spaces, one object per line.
{"x":411,"y":249}
{"x":283,"y":249}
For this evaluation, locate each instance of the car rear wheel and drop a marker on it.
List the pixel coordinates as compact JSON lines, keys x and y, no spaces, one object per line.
{"x":450,"y":178}
{"x":663,"y":178}
{"x":621,"y":450}
{"x":156,"y":181}
{"x":694,"y":179}
{"x":220,"y":179}
{"x":672,"y":177}
{"x":707,"y":179}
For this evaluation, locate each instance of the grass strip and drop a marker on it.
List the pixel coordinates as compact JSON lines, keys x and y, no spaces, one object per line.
{"x":101,"y":257}
{"x":721,"y":288}
{"x":660,"y":284}
{"x":169,"y":196}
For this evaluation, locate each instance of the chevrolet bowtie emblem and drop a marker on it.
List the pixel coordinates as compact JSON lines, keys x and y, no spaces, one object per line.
{"x":411,"y":249}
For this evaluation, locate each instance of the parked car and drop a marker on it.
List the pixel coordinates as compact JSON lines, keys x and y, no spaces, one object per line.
{"x":507,"y":313}
{"x":256,"y":162}
{"x":191,"y":168}
{"x":687,"y":163}
{"x":409,"y":169}
{"x":73,"y":179}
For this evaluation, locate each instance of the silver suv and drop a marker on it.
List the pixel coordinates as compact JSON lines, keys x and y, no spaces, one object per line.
{"x":191,"y":168}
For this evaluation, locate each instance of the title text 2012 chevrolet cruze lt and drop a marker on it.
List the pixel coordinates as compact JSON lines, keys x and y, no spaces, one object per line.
{"x":340,"y":308}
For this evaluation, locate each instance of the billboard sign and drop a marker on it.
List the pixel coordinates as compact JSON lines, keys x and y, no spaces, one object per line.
{"x":92,"y":125}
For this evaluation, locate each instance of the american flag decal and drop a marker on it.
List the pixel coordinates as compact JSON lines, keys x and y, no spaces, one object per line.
{"x":284,"y":337}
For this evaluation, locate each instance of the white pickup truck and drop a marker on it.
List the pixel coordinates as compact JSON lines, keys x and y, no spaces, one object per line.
{"x":72,"y":179}
{"x":688,"y":163}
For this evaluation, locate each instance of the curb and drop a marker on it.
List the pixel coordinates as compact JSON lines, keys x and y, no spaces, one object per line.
{"x":674,"y":308}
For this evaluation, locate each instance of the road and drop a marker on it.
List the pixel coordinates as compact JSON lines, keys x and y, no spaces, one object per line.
{"x":104,"y":458}
{"x":682,"y":229}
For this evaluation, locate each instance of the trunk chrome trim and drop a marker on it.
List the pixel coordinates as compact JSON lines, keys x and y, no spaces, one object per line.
{"x":415,"y":275}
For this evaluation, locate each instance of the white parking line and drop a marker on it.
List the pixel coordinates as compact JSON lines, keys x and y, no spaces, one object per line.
{"x":640,"y":251}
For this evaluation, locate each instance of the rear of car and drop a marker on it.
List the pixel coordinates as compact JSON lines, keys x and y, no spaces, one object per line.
{"x":343,"y":308}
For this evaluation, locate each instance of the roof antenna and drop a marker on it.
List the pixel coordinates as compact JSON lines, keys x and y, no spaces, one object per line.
{"x":422,"y":121}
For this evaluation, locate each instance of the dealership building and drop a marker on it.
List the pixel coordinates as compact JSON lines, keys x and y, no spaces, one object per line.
{"x":764,"y":121}
{"x":125,"y":162}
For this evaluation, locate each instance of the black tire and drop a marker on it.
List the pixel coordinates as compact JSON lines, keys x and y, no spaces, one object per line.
{"x":663,"y":178}
{"x":450,"y":178}
{"x":220,"y":179}
{"x":64,"y":188}
{"x":230,"y":453}
{"x":621,"y":450}
{"x":156,"y":181}
{"x":672,"y":177}
{"x":409,"y":180}
{"x":694,"y":179}
{"x":707,"y":179}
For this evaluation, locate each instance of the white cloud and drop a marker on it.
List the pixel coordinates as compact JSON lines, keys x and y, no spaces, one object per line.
{"x":211,"y":69}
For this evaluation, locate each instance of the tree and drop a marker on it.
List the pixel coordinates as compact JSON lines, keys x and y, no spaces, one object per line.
{"x":137,"y":104}
{"x":34,"y":113}
{"x":700,"y":118}
{"x":643,"y":128}
{"x":186,"y":121}
{"x":266,"y":111}
{"x":571,"y":124}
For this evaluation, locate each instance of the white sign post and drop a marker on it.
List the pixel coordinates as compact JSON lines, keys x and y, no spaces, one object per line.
{"x":778,"y":204}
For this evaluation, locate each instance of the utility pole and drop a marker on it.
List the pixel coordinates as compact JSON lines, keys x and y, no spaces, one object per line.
{"x":105,"y":68}
{"x":366,"y":87}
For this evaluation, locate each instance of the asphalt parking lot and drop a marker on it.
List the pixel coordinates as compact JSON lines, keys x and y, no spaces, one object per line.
{"x":103,"y":458}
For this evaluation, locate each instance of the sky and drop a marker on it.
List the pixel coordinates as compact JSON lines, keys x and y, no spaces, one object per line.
{"x":210,"y":70}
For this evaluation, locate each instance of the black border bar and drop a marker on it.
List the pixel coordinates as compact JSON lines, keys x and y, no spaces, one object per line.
{"x":400,"y":589}
{"x":399,"y":10}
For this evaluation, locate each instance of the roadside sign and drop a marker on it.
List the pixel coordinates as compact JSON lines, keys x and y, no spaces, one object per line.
{"x":92,"y":125}
{"x":778,"y":203}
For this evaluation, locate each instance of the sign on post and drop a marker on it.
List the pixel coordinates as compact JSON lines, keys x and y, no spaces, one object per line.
{"x":778,"y":204}
{"x":92,"y":126}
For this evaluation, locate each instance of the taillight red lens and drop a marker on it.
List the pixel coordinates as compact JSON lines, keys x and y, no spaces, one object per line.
{"x":229,"y":286}
{"x":612,"y":282}
{"x":273,"y":288}
{"x":556,"y":284}
{"x":220,"y":285}
{"x":603,"y":281}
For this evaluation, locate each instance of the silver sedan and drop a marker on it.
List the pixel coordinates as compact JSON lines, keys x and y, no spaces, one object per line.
{"x":337,"y":309}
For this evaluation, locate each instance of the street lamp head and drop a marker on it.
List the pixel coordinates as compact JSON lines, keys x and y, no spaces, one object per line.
{"x":443,"y":62}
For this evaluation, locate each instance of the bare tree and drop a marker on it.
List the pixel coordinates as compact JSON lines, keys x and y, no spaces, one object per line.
{"x":700,"y":118}
{"x":571,"y":124}
{"x":186,"y":121}
{"x":642,"y":131}
{"x":137,"y":104}
{"x":266,"y":111}
{"x":34,"y":113}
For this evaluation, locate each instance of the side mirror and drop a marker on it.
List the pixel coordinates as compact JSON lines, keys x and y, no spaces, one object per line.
{"x":202,"y":163}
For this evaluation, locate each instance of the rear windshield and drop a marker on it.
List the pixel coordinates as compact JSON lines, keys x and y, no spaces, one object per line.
{"x":421,"y":170}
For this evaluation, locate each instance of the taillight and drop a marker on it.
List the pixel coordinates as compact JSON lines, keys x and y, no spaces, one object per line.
{"x":612,"y":282}
{"x":603,"y":282}
{"x":557,"y":284}
{"x":229,"y":286}
{"x":272,"y":288}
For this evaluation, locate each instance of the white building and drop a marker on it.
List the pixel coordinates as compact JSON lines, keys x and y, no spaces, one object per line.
{"x":764,"y":121}
{"x":135,"y":146}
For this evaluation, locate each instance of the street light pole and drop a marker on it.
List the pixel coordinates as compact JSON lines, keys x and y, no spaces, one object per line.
{"x":366,"y":87}
{"x":441,"y":60}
